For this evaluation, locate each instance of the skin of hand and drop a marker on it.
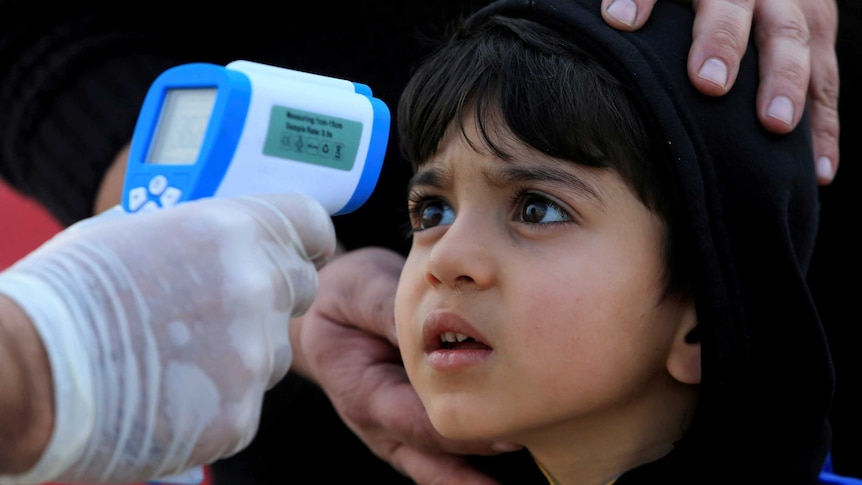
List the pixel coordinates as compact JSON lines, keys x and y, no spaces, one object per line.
{"x":796,"y":42}
{"x":26,"y":404}
{"x":346,"y":343}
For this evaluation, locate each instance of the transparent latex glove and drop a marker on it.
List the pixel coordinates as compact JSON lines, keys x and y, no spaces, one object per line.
{"x":164,"y":329}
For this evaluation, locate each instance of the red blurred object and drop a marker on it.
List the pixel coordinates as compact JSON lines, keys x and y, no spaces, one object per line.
{"x":207,"y":479}
{"x":24,"y":225}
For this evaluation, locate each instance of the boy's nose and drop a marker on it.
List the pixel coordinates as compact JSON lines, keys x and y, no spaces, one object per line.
{"x":463,"y":258}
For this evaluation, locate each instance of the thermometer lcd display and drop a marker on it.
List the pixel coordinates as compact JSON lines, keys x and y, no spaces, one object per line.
{"x":182,"y":126}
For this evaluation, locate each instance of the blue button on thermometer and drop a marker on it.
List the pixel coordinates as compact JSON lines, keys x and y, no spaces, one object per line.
{"x":206,"y":130}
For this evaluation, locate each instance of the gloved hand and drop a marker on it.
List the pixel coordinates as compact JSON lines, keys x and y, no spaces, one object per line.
{"x":164,"y":329}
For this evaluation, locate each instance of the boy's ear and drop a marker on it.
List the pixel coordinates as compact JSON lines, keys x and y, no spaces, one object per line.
{"x":683,"y":360}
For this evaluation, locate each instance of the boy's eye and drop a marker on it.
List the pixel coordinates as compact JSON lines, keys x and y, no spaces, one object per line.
{"x":536,"y":209}
{"x":433,"y":212}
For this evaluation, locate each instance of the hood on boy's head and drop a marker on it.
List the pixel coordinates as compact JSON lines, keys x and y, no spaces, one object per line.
{"x":749,"y":205}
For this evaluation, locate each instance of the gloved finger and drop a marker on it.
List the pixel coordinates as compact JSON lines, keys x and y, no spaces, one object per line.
{"x":296,"y":225}
{"x":281,"y":214}
{"x":292,"y":231}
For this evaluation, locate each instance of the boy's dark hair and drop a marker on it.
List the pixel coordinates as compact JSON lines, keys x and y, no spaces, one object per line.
{"x":551,"y":94}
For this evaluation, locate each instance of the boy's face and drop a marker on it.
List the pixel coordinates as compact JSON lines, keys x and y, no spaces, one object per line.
{"x":532,"y":297}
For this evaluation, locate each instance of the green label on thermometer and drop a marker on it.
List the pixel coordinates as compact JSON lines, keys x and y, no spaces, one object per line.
{"x":312,"y":138}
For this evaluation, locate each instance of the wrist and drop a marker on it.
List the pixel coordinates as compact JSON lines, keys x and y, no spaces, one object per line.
{"x":298,"y":364}
{"x":26,"y":402}
{"x":62,"y":388}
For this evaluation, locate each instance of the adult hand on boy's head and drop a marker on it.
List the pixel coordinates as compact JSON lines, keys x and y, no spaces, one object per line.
{"x":796,"y":42}
{"x":346,"y":343}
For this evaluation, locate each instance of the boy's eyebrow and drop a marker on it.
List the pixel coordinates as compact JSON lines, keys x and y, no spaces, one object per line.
{"x":432,"y":177}
{"x":435,"y":177}
{"x":547,"y":174}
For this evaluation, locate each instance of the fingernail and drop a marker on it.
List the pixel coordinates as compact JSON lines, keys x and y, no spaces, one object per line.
{"x":824,"y":168}
{"x":781,"y":108}
{"x":502,"y":447}
{"x":626,"y":11}
{"x":714,"y":71}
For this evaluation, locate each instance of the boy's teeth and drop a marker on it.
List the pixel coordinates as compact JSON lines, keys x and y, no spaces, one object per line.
{"x":452,"y":337}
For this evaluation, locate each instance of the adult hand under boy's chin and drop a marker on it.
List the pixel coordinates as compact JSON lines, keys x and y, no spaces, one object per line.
{"x":796,"y":44}
{"x":346,"y":343}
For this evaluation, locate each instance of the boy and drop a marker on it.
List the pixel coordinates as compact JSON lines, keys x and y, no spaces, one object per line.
{"x":608,"y":267}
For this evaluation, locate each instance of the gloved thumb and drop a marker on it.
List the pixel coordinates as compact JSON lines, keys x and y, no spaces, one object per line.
{"x":282,"y":213}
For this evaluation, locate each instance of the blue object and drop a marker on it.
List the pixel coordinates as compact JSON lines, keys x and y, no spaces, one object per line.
{"x":206,"y":130}
{"x":828,"y":476}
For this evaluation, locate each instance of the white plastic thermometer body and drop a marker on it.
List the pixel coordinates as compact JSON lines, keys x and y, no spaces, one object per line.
{"x":247,"y":128}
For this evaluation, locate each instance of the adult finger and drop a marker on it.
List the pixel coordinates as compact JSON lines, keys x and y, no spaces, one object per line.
{"x":823,"y":89}
{"x":782,"y":39}
{"x":719,"y":37}
{"x":433,"y":469}
{"x":627,"y":14}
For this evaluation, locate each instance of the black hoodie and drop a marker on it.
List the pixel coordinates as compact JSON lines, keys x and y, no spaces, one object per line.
{"x":72,"y":110}
{"x":750,"y":206}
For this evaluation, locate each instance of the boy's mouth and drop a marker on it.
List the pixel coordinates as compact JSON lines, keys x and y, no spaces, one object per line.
{"x":445,"y":330}
{"x":459,"y":341}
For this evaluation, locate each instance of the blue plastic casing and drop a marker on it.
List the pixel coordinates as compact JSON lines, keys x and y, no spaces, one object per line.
{"x":219,"y":143}
{"x":243,"y":145}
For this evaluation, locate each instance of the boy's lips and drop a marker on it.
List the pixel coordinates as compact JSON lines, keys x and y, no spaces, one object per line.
{"x":445,"y":330}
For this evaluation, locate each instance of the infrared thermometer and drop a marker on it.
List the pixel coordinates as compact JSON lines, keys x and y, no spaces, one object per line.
{"x":246,"y":128}
{"x":206,"y":130}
